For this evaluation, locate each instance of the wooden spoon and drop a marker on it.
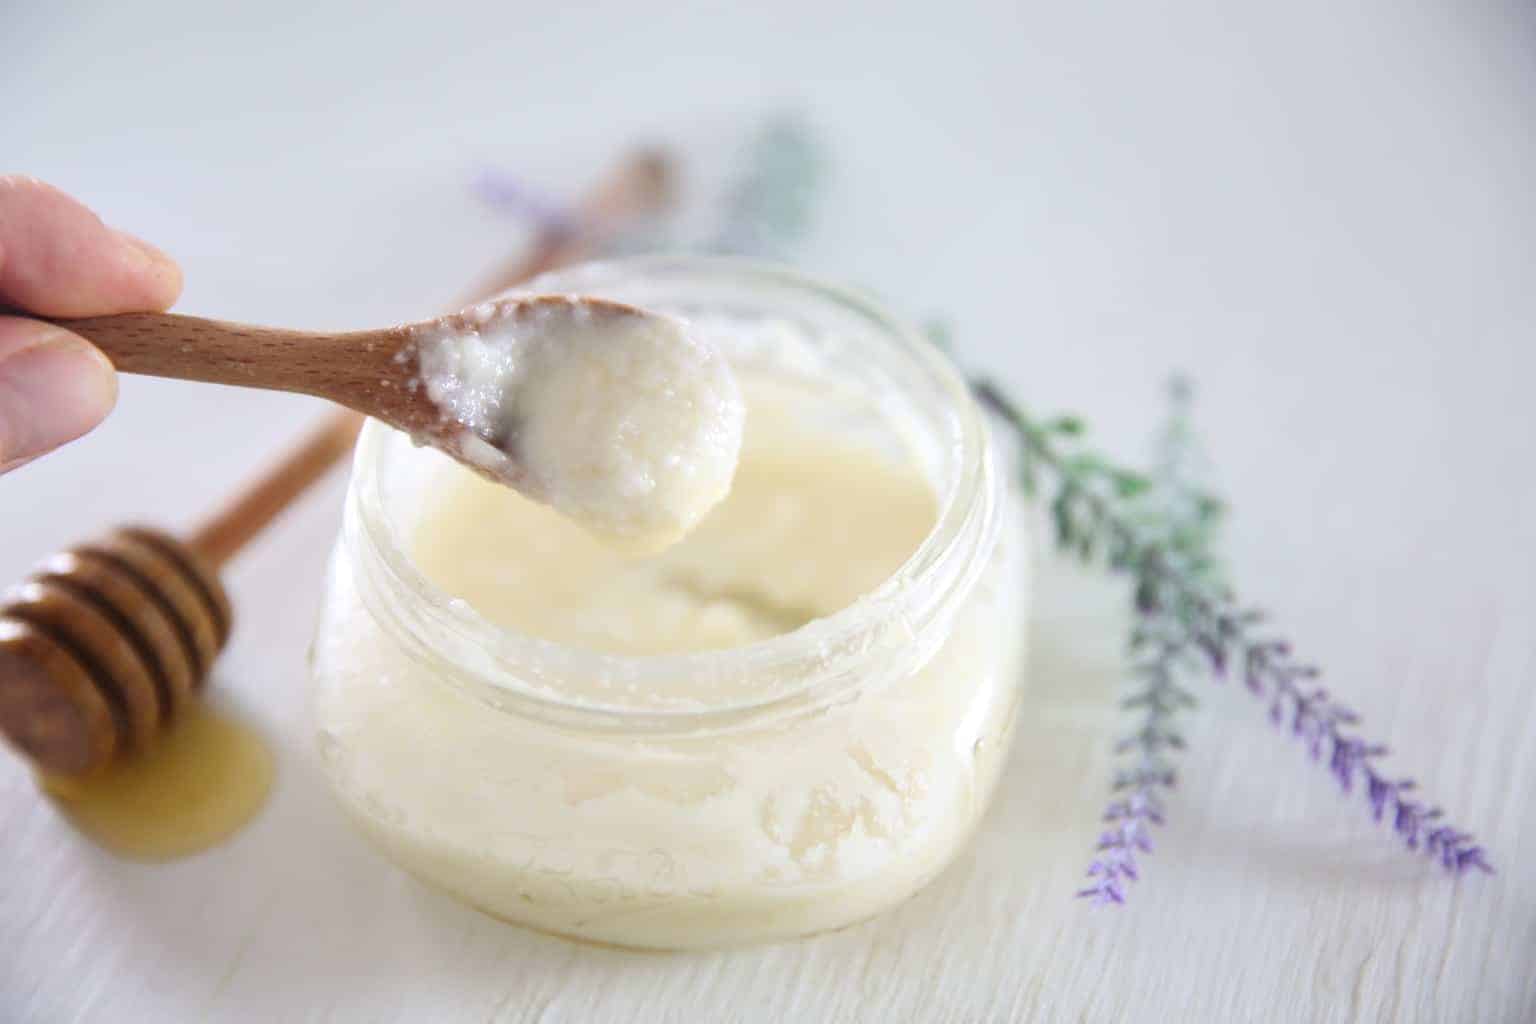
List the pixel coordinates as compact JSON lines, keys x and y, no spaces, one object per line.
{"x":376,"y":372}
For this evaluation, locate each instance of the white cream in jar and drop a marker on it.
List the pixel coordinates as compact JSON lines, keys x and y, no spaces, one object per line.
{"x":809,"y":526}
{"x":787,"y":722}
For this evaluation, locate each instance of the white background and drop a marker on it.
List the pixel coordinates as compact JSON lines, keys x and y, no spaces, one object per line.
{"x":1323,"y":210}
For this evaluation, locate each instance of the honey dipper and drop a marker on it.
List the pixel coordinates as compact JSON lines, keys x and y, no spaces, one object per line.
{"x":107,"y":642}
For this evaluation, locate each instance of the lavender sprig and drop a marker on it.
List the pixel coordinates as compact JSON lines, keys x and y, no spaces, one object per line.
{"x":505,"y":192}
{"x":1186,"y":522}
{"x":770,"y":204}
{"x":1186,"y":617}
{"x":766,"y":208}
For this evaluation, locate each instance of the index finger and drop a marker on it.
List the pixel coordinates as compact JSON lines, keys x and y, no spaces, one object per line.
{"x":57,"y":258}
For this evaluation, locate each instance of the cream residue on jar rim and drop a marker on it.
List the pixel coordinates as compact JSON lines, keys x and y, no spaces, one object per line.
{"x":628,"y":423}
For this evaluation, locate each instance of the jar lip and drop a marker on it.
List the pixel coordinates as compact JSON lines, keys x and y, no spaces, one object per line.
{"x":820,"y":645}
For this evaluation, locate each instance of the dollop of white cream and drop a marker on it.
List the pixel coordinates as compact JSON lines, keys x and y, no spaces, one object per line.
{"x":627,"y":422}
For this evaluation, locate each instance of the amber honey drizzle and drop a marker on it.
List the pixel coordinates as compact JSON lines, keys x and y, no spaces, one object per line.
{"x":196,"y":786}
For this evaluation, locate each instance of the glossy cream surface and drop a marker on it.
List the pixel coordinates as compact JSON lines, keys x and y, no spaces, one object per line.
{"x":809,"y":525}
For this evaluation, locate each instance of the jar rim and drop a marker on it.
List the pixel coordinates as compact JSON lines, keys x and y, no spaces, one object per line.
{"x":902,"y":620}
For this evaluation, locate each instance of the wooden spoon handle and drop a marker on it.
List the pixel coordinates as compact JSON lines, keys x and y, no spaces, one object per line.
{"x":244,"y":355}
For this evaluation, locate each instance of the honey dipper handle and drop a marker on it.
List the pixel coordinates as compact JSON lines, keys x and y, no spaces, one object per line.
{"x":234,"y":525}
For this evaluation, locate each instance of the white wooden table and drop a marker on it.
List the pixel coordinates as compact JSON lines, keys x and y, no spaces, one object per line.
{"x":1323,"y":210}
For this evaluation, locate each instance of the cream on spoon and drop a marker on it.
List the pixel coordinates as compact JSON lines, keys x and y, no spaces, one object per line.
{"x":620,"y":419}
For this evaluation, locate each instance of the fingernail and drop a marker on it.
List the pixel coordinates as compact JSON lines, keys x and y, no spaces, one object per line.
{"x":51,"y":391}
{"x":154,"y":261}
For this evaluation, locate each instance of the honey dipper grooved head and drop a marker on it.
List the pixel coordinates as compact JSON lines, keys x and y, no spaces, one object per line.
{"x":103,"y":646}
{"x":49,"y":707}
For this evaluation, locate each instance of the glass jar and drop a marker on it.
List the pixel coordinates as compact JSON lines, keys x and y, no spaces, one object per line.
{"x":596,"y":795}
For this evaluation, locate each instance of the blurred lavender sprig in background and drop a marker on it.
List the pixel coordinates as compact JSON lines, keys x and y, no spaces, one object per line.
{"x":770,"y":204}
{"x":765,"y":209}
{"x":507,"y":193}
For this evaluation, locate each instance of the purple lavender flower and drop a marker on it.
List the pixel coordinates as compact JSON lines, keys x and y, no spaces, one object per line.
{"x":505,"y":192}
{"x":1322,"y":723}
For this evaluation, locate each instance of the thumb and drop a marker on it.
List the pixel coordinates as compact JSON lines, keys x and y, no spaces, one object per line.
{"x":54,"y":386}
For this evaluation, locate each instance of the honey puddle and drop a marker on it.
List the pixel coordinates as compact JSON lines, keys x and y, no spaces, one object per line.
{"x":199,"y":784}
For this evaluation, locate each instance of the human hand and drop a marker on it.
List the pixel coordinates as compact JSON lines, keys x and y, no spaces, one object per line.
{"x":58,"y":259}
